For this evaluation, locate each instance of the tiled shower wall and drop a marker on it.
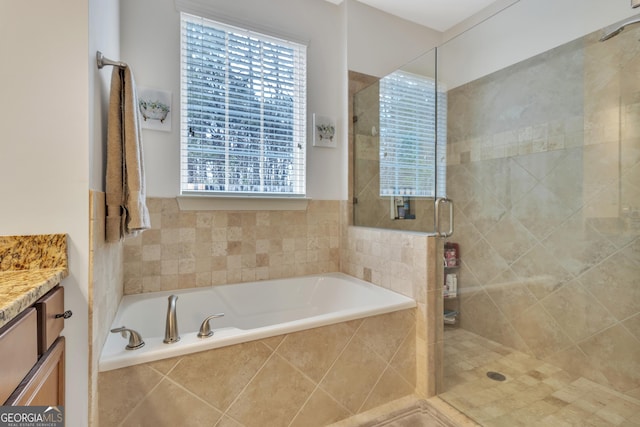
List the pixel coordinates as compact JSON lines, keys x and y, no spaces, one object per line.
{"x":186,"y":249}
{"x":544,"y":168}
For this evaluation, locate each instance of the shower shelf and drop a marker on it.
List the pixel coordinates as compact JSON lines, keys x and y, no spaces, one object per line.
{"x":451,"y":263}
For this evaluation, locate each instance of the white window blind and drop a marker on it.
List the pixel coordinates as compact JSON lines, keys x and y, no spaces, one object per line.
{"x":412,"y":136}
{"x":243,"y":111}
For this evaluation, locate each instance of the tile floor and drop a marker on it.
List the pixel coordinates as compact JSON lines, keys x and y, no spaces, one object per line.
{"x":535,"y":393}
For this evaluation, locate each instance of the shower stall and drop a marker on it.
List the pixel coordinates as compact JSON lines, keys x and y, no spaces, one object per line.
{"x":543,"y":164}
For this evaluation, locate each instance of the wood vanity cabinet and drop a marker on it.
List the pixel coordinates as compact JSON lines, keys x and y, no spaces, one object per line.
{"x":19,"y":350}
{"x":33,"y":340}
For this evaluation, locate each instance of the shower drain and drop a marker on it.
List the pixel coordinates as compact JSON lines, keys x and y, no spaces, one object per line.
{"x":496,"y":376}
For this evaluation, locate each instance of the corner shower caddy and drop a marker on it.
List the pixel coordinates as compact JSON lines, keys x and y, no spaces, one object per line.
{"x":451,"y":263}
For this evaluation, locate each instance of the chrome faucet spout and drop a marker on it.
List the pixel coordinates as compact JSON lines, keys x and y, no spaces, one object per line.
{"x":171,"y":329}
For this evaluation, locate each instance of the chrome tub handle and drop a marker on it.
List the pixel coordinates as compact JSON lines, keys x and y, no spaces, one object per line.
{"x":205,"y":328}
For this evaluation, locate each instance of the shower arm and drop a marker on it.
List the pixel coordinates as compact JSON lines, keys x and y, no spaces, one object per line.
{"x":610,"y":34}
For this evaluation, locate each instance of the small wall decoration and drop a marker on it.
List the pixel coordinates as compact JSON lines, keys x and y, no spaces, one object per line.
{"x":324,"y":132}
{"x":155,"y":109}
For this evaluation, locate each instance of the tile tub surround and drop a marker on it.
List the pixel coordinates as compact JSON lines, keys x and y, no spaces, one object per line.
{"x":30,"y":266}
{"x":186,"y":249}
{"x":308,"y":378}
{"x":405,"y":263}
{"x":543,"y":162}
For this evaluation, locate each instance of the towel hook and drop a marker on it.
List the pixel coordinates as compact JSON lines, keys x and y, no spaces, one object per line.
{"x":102,"y":61}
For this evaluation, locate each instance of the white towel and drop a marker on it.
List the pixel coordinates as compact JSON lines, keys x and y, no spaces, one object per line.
{"x":127,"y":212}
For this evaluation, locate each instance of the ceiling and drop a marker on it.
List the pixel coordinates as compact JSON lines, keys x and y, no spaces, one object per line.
{"x":439,"y":15}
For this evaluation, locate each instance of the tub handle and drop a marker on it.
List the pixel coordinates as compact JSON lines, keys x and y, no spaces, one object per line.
{"x":135,"y":340}
{"x":205,"y":329}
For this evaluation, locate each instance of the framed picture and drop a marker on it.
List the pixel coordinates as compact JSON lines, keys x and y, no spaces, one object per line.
{"x":155,"y":109}
{"x":324,"y":132}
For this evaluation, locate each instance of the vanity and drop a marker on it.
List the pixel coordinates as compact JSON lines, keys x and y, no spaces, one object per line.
{"x":32,"y":318}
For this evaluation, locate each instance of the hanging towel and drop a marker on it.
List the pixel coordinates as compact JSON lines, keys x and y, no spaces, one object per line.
{"x":127,"y":213}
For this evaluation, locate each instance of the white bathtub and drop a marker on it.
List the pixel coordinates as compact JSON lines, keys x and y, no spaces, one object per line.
{"x":252,"y":311}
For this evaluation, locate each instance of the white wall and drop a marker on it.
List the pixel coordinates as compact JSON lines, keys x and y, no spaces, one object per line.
{"x":150,"y":43}
{"x":525,"y":29}
{"x":106,"y":276}
{"x":44,"y":151}
{"x":379,"y":43}
{"x":104,"y":35}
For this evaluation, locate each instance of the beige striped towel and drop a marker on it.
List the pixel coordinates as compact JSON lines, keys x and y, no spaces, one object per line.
{"x":127,"y":212}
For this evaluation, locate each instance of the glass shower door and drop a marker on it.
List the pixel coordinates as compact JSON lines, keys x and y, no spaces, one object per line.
{"x":544,"y":167}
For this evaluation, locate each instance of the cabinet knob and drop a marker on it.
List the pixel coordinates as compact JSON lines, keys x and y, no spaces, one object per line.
{"x":64,"y":315}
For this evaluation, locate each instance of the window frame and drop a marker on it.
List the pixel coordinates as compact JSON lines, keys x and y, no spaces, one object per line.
{"x":298,"y":142}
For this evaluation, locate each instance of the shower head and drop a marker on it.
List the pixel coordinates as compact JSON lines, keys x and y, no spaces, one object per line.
{"x":609,"y":34}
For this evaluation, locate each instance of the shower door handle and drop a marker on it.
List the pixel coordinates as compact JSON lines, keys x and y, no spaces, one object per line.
{"x":449,"y":202}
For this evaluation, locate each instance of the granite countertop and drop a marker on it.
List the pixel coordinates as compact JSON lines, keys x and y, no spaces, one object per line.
{"x":30,"y":266}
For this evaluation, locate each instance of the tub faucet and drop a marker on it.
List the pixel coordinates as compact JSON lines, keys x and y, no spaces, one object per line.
{"x":171,"y":330}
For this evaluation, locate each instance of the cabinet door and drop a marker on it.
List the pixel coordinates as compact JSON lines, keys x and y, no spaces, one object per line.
{"x":44,"y":386}
{"x":50,"y":326}
{"x":19,"y":350}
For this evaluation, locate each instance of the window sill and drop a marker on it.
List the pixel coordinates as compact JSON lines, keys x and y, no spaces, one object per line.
{"x":222,"y":203}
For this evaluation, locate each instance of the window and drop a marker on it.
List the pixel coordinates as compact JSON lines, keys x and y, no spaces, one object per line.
{"x":243,"y":112}
{"x":409,"y":138}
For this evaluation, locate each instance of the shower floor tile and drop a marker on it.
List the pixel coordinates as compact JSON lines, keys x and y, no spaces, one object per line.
{"x":534,"y":393}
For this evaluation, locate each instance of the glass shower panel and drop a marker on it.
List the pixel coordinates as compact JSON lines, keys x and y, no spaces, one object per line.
{"x":544,"y":166}
{"x":396,"y":155}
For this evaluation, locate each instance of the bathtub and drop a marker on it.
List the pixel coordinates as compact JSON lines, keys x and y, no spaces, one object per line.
{"x":252,"y":311}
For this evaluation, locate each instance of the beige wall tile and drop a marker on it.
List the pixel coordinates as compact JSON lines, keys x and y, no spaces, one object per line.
{"x":390,"y":387}
{"x":320,"y":410}
{"x":616,"y":353}
{"x":353,"y":375}
{"x":540,"y":331}
{"x":230,"y":247}
{"x":578,"y":313}
{"x":121,"y":390}
{"x":154,"y":410}
{"x":314,"y":351}
{"x":541,"y":272}
{"x":404,"y":361}
{"x":510,"y":294}
{"x":218,"y":376}
{"x":384,"y":333}
{"x":265,"y":398}
{"x":614,"y":284}
{"x":512,"y":241}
